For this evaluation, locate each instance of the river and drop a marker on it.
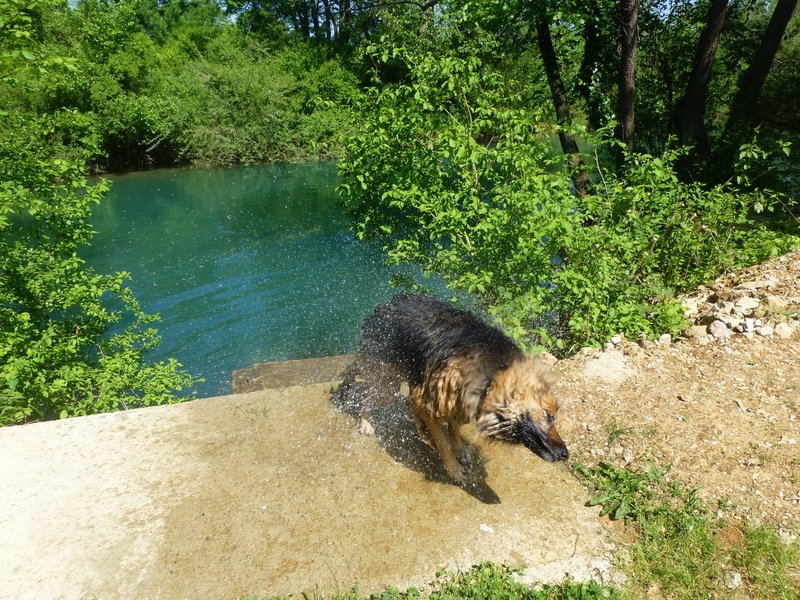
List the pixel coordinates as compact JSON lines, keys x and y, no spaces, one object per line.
{"x":244,"y":265}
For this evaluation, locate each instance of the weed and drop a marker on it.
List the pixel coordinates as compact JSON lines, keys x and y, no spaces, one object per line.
{"x":616,"y":432}
{"x":679,"y":550}
{"x":486,"y":581}
{"x":489,"y":581}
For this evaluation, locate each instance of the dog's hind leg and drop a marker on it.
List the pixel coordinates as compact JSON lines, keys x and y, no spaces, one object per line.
{"x":353,"y":398}
{"x":436,"y":436}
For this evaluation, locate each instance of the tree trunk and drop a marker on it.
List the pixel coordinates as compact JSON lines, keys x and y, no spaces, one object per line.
{"x":629,"y":34}
{"x":752,"y":81}
{"x":740,"y":120}
{"x":568,"y":144}
{"x":690,"y":127}
{"x":591,"y":51}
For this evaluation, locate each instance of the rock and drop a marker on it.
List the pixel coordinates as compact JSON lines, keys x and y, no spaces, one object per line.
{"x":696,"y":331}
{"x":690,"y":307}
{"x":719,"y":330}
{"x":765,"y":330}
{"x":775,"y":304}
{"x":665,"y":339}
{"x":747,"y":304}
{"x":784,"y":330}
{"x":733,"y":322}
{"x":754,"y":285}
{"x":547,"y":358}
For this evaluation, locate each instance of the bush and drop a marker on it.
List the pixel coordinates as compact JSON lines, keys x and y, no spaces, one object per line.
{"x":57,"y":356}
{"x":453,"y":170}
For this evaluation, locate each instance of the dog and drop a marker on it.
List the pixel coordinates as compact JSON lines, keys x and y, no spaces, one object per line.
{"x":459,"y":369}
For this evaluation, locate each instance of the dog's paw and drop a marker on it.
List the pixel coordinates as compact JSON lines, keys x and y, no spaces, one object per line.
{"x":455,"y":471}
{"x":365,"y":427}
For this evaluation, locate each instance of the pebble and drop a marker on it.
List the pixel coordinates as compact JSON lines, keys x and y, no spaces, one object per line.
{"x":719,"y":330}
{"x":784,"y":330}
{"x":745,"y":310}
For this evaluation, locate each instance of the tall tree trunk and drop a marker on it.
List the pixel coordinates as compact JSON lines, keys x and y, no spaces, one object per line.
{"x":690,"y":128}
{"x":591,"y":51}
{"x":559,"y":92}
{"x":752,"y":81}
{"x":331,"y":26}
{"x":740,"y":120}
{"x":629,"y":34}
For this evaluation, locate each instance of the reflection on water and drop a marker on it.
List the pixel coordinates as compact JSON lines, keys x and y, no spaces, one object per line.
{"x":244,"y":265}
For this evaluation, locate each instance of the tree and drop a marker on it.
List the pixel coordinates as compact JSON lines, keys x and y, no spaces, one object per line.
{"x":690,"y":128}
{"x":449,"y":169}
{"x":59,"y":356}
{"x":629,"y":33}
{"x":752,"y":80}
{"x":560,"y":101}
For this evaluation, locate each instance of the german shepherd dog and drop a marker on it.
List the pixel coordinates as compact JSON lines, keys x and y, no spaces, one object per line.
{"x":459,"y":369}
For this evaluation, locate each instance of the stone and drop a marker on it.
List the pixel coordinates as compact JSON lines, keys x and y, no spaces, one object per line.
{"x":748,"y":325}
{"x":719,"y":330}
{"x":747,"y":303}
{"x":690,"y":307}
{"x":775,"y":304}
{"x":755,"y":285}
{"x":696,"y":331}
{"x":765,"y":330}
{"x":784,"y":330}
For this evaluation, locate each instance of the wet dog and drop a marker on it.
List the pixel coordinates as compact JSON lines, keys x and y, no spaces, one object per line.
{"x":459,"y":369}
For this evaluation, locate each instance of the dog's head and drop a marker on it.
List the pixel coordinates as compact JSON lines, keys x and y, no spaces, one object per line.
{"x":519,"y":407}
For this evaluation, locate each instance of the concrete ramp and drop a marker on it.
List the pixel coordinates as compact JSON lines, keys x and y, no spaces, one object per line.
{"x":268,"y":493}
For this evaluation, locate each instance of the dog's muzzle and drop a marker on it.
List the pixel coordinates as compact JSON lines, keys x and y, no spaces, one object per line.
{"x":546,"y":445}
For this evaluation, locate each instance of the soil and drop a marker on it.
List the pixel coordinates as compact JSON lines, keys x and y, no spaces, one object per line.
{"x":724,"y":411}
{"x":273,"y":492}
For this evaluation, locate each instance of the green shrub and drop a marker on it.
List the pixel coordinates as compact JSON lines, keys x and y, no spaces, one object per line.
{"x":453,"y":170}
{"x":57,"y":357}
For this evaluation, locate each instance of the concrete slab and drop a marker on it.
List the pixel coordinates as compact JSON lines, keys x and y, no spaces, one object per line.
{"x":287,"y":373}
{"x":268,"y":493}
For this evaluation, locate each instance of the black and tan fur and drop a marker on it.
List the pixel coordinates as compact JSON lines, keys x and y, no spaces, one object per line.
{"x":459,"y":370}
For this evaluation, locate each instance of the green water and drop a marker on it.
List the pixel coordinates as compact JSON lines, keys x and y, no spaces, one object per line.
{"x":244,"y":265}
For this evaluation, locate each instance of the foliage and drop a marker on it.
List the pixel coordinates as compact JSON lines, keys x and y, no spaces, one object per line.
{"x":489,"y":581}
{"x":242,"y":104}
{"x":680,"y":548}
{"x":58,"y":357}
{"x":172,"y":83}
{"x":453,"y":170}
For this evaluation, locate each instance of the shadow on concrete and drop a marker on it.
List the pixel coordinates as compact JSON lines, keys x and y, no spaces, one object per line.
{"x":390,"y":417}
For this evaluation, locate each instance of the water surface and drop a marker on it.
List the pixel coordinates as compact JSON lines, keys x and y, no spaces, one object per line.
{"x":244,"y":265}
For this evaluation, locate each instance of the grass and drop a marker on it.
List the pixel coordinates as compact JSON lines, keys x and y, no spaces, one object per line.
{"x":486,"y":581}
{"x":680,"y":550}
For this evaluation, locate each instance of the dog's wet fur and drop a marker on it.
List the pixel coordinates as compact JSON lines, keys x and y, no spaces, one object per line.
{"x":459,"y":369}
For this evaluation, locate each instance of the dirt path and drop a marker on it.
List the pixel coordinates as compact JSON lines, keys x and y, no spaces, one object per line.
{"x":722,"y":406}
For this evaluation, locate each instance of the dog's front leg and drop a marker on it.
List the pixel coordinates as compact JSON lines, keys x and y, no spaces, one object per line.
{"x":437,"y":437}
{"x":457,"y":442}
